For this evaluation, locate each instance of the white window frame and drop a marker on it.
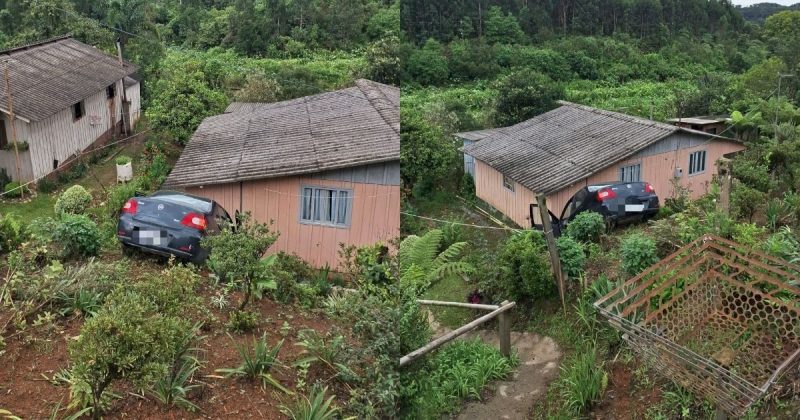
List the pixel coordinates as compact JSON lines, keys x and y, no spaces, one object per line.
{"x":697,"y":162}
{"x":313,"y":206}
{"x":508,"y":183}
{"x":630,"y":170}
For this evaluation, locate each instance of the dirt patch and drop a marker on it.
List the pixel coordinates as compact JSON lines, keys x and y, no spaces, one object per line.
{"x":31,"y":358}
{"x":538,"y":366}
{"x":625,"y":398}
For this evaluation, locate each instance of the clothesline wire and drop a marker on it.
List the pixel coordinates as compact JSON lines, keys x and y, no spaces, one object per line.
{"x":459,"y":223}
{"x":323,"y":187}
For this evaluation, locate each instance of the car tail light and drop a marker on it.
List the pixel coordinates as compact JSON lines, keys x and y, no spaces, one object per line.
{"x":649,"y":188}
{"x":130,"y":206}
{"x":194,"y":220}
{"x":606,"y":194}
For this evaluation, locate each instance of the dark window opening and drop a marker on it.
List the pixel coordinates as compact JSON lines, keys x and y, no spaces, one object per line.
{"x":3,"y":135}
{"x":78,"y":111}
{"x":712,"y":130}
{"x":55,"y":163}
{"x":111,"y":91}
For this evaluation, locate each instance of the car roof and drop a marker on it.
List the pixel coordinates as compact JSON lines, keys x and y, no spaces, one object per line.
{"x":192,"y":201}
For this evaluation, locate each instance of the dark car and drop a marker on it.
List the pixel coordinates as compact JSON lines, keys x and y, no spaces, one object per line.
{"x":618,"y":202}
{"x":170,"y":223}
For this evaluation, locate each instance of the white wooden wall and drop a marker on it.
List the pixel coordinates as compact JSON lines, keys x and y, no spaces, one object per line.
{"x":133,"y":95}
{"x":7,"y":159}
{"x":59,"y":137}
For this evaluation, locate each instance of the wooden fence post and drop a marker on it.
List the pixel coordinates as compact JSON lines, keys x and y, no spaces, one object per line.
{"x":555,"y":260}
{"x":504,"y":331}
{"x":725,"y":181}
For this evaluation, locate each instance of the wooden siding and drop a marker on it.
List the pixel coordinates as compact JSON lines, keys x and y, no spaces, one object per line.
{"x":375,"y":214}
{"x":132,"y":94}
{"x":59,"y":137}
{"x":7,"y":158}
{"x":659,"y":163}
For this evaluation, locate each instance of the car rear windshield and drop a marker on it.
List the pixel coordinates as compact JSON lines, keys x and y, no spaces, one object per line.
{"x":183,"y":200}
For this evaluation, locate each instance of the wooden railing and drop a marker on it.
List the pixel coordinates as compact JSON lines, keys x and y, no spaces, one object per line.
{"x":497,"y":311}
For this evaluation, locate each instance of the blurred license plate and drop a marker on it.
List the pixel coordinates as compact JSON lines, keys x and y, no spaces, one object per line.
{"x":150,"y":237}
{"x":634,"y":207}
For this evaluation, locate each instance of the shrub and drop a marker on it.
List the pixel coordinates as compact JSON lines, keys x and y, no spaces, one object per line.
{"x":12,"y":232}
{"x":77,"y":235}
{"x":14,"y":190}
{"x":46,"y":186}
{"x":128,"y":338}
{"x":123,"y":160}
{"x":468,"y":187}
{"x":75,"y":200}
{"x":586,"y":227}
{"x":523,"y":269}
{"x":745,"y":201}
{"x":638,"y":252}
{"x":571,"y":254}
{"x":236,"y":254}
{"x":243,"y":321}
{"x":118,"y":195}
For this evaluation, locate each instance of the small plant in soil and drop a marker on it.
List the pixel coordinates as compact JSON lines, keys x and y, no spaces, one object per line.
{"x":329,"y":351}
{"x":243,"y":321}
{"x":313,"y":407}
{"x":123,"y":160}
{"x":257,"y":363}
{"x":174,"y":387}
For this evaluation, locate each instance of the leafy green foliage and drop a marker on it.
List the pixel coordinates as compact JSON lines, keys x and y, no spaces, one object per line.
{"x":584,"y":380}
{"x":523,"y":270}
{"x":12,"y":232}
{"x":236,"y":254}
{"x":243,"y":321}
{"x":524,"y":94}
{"x":428,"y":64}
{"x":14,"y":190}
{"x":77,"y":235}
{"x":174,"y":386}
{"x":75,"y":200}
{"x":638,"y":252}
{"x":745,"y":201}
{"x":422,"y":264}
{"x":459,"y":370}
{"x":257,"y":363}
{"x":572,"y":256}
{"x":587,"y":226}
{"x":314,"y":407}
{"x":122,"y":160}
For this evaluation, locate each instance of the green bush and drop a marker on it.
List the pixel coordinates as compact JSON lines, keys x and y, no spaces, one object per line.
{"x":77,"y":235}
{"x":46,"y":186}
{"x":123,"y":160}
{"x":523,"y":268}
{"x":12,"y":232}
{"x":243,"y":321}
{"x":468,"y":187}
{"x":745,"y":201}
{"x":75,"y":200}
{"x":586,"y":227}
{"x":572,"y":256}
{"x":118,"y":195}
{"x":14,"y":190}
{"x":638,"y":252}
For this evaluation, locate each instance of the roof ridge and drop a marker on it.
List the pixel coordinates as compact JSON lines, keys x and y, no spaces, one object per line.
{"x":35,"y":44}
{"x":619,"y":115}
{"x":379,"y":101}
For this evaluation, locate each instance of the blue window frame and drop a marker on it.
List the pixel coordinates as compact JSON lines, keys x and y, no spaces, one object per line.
{"x":326,"y":206}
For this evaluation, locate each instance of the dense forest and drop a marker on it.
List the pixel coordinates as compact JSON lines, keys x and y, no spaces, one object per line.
{"x":761,"y":11}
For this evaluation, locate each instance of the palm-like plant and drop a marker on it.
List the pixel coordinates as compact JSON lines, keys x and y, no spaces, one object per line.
{"x":421,"y":263}
{"x":317,"y":407}
{"x":257,"y":363}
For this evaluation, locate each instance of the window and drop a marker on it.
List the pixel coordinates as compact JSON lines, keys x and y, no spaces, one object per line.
{"x":326,"y":206}
{"x":508,"y":183}
{"x":712,"y":130}
{"x":631,"y":173}
{"x":78,"y":111}
{"x":3,"y":135}
{"x":111,"y":91}
{"x":697,"y":162}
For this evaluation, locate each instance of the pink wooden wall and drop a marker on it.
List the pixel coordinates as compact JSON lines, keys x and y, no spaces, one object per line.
{"x":657,"y":169}
{"x":375,"y":214}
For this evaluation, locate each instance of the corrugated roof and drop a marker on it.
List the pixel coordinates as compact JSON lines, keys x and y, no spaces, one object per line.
{"x":558,"y":148}
{"x":478,"y":134}
{"x":52,"y":75}
{"x":344,"y":128}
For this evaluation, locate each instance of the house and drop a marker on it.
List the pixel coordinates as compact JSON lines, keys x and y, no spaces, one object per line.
{"x":712,"y":124}
{"x":561,"y":151}
{"x":66,"y":97}
{"x":325,"y":169}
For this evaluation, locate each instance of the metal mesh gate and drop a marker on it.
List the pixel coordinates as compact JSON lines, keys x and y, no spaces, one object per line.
{"x":715,"y":317}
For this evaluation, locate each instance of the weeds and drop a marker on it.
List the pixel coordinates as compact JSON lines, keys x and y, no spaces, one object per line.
{"x":173,"y":388}
{"x":584,"y":380}
{"x":330,"y":353}
{"x":257,"y":363}
{"x":315,"y":407}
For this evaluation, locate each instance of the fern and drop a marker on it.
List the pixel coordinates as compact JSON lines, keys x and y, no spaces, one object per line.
{"x":421,"y":263}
